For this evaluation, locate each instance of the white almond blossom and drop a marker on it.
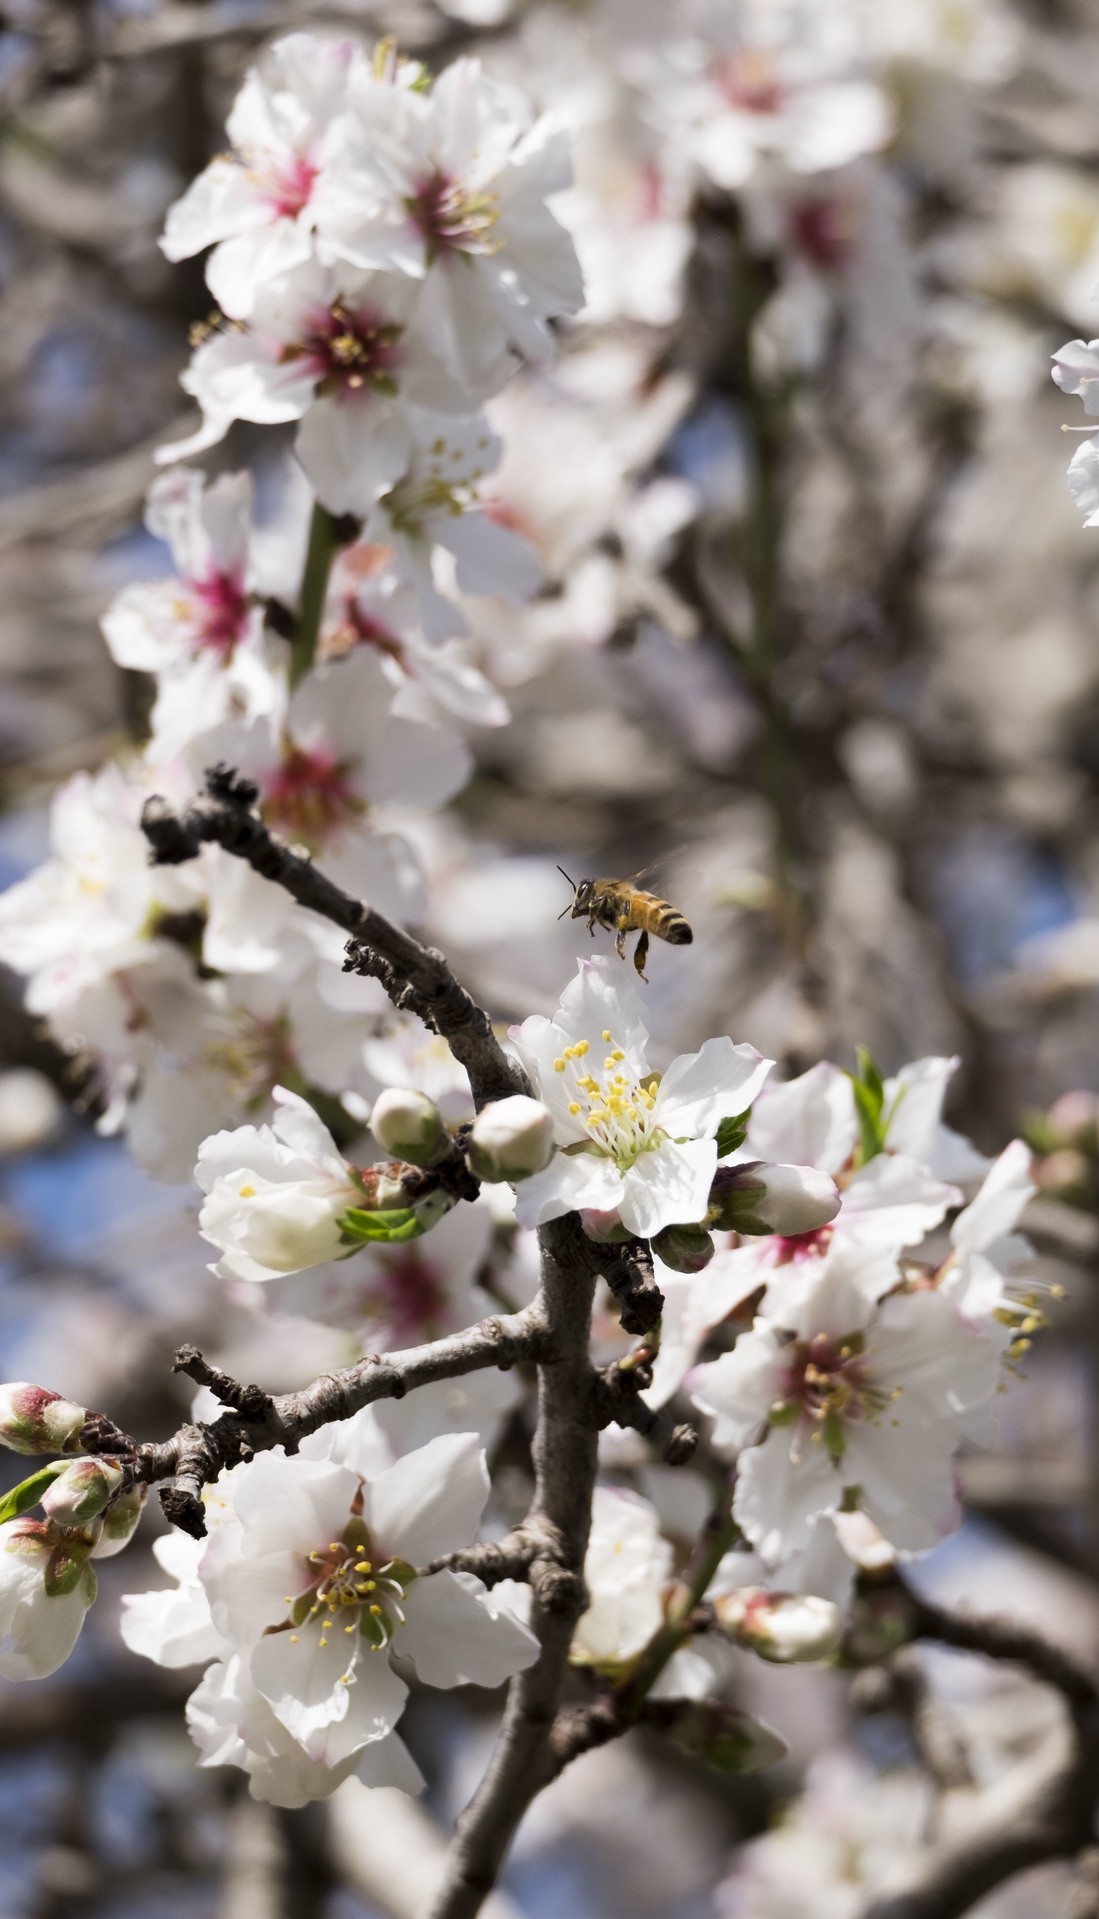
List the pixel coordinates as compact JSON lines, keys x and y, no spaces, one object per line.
{"x":432,"y":682}
{"x":339,"y":755}
{"x":892,"y":1202}
{"x":93,"y":910}
{"x":862,"y":1400}
{"x":230,"y":1721}
{"x":332,"y":348}
{"x":200,"y":632}
{"x":276,"y":1196}
{"x":450,"y":185}
{"x":988,"y":1276}
{"x":435,"y":504}
{"x":256,"y":205}
{"x":626,"y":1570}
{"x":754,"y":92}
{"x":232,"y":1724}
{"x":1076,"y":370}
{"x":405,"y":1053}
{"x":46,"y":1588}
{"x":399,"y":1295}
{"x":630,"y":1141}
{"x":317,"y":1581}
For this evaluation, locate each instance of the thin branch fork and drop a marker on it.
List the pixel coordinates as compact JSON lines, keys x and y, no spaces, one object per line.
{"x":1041,"y":1811}
{"x":416,"y":977}
{"x":256,"y":1420}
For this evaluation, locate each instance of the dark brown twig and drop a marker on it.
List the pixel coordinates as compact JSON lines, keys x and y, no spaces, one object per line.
{"x":226,"y":816}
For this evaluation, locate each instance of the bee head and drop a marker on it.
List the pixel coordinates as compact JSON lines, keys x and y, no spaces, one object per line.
{"x":580,"y":895}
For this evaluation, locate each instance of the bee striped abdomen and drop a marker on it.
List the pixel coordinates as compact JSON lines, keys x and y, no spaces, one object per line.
{"x":664,"y":920}
{"x":676,"y":931}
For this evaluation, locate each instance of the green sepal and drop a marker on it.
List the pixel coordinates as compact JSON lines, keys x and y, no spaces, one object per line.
{"x":833,"y":1435}
{"x":29,"y":1491}
{"x":869,"y":1096}
{"x":401,"y":1571}
{"x":65,"y":1570}
{"x":358,"y":1227}
{"x":732,"y":1133}
{"x":375,"y":1629}
{"x":869,"y":1074}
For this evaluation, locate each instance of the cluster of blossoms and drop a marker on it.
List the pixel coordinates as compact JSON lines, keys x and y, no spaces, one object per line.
{"x":382,"y":252}
{"x":839,"y":1273}
{"x":848,"y":1362}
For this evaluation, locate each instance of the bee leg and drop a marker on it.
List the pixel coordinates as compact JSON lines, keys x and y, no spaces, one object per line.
{"x":641,"y":954}
{"x":620,"y":942}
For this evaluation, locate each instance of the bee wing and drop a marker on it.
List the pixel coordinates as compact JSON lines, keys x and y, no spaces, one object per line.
{"x":654,"y":865}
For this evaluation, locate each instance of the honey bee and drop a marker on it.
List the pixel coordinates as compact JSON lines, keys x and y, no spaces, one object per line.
{"x":623,"y":908}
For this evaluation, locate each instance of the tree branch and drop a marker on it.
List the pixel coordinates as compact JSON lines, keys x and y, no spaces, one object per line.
{"x":413,"y":975}
{"x":565,"y":1446}
{"x":1039,"y":1811}
{"x":195,"y":1455}
{"x":618,"y":1401}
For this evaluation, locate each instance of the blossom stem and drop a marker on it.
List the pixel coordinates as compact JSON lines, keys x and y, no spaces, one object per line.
{"x":323,"y":546}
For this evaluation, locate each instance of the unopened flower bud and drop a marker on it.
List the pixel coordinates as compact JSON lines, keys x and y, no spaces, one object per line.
{"x":82,"y":1491}
{"x":409,"y":1125}
{"x":120,"y":1522}
{"x":1074,"y":1117}
{"x":758,"y":1197}
{"x":782,"y":1627}
{"x":1063,"y":1173}
{"x":729,"y":1740}
{"x":34,"y":1420}
{"x":686,"y":1249}
{"x":511,"y":1139}
{"x":605,"y":1228}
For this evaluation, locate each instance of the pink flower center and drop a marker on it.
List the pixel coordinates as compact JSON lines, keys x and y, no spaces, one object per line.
{"x":791,"y":1248}
{"x":408,"y":1295}
{"x":347,"y":349}
{"x":255,"y":1057}
{"x":451,"y":218}
{"x":821,"y":229}
{"x":825,"y":1383}
{"x":288,"y":188}
{"x":360,"y":628}
{"x":820,"y":1371}
{"x":311,"y":797}
{"x":223,"y":612}
{"x":749,"y":82}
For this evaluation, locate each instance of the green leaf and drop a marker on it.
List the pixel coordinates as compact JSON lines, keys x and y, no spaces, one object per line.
{"x":29,"y":1491}
{"x":732,"y":1133}
{"x":869,"y":1074}
{"x":391,"y":1228}
{"x":871,"y":1130}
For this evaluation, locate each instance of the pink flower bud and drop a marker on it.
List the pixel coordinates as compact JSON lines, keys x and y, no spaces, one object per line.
{"x":758,"y":1197}
{"x":34,"y":1420}
{"x":410,"y":1126}
{"x":686,"y":1249}
{"x":784,"y":1628}
{"x":511,"y":1139}
{"x":82,"y":1491}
